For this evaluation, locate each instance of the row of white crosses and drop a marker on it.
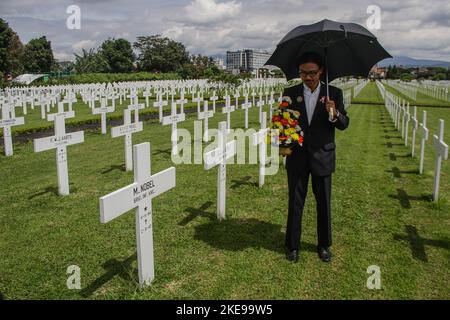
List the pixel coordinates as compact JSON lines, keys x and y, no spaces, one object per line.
{"x":396,"y":109}
{"x":358,"y":88}
{"x":404,"y":88}
{"x":145,"y":187}
{"x":70,"y":98}
{"x":433,"y":90}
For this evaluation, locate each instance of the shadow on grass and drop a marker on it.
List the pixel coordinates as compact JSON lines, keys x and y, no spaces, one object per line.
{"x":119,"y":167}
{"x":200,"y":212}
{"x":404,"y":198}
{"x":51,"y":189}
{"x":394,"y":157}
{"x":417,"y":243}
{"x":164,"y":152}
{"x":398,"y":174}
{"x":241,"y":234}
{"x":391,"y":145}
{"x":243,"y":182}
{"x":113,"y":267}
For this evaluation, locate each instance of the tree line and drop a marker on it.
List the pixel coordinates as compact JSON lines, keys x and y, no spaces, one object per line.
{"x":155,"y":53}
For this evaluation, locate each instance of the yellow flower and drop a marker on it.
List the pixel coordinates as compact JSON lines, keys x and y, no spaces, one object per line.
{"x":286,"y":115}
{"x":295,"y":137}
{"x":290,"y":131}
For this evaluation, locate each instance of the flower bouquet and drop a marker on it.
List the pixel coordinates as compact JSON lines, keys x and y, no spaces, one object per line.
{"x":286,"y":130}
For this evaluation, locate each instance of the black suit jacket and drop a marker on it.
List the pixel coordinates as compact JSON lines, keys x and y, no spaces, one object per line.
{"x":318,"y":151}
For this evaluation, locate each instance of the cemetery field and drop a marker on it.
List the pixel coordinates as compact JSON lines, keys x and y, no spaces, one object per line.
{"x":421,"y":99}
{"x":382,"y":215}
{"x":83,"y":114}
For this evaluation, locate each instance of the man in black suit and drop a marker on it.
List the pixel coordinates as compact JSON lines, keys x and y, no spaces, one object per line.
{"x":319,"y":117}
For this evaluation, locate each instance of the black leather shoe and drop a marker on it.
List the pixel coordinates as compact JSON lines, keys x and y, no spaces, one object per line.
{"x":324,"y":254}
{"x":292,"y":255}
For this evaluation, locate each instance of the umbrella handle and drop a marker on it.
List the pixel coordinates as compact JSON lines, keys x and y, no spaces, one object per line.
{"x":331,"y":111}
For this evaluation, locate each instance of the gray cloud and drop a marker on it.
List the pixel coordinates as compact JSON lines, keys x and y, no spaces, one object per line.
{"x":417,"y":28}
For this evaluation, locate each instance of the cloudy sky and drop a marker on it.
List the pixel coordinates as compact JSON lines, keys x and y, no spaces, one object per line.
{"x":415,"y":28}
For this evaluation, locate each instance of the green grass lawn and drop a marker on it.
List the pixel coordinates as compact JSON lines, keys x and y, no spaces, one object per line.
{"x":382,"y":215}
{"x":369,"y":94}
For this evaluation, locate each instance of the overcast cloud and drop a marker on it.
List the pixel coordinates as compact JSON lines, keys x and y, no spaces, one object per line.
{"x":415,"y":28}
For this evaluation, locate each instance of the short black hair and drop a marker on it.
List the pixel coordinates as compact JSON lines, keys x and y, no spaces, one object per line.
{"x":311,"y":57}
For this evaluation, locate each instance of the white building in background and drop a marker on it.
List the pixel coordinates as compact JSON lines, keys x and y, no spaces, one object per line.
{"x":247,"y":60}
{"x":219,"y":63}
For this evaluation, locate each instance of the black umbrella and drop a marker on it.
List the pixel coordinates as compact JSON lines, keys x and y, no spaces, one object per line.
{"x":348,"y":49}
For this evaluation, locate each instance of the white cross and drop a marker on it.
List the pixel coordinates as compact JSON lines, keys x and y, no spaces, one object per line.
{"x":147,"y":94}
{"x":423,"y":131}
{"x":70,"y":98}
{"x":24,"y":105}
{"x":136,"y":107}
{"x":245,"y":106}
{"x":173,"y":119}
{"x":260,"y":105}
{"x":112,"y":96}
{"x":42,"y":102}
{"x":407,"y":119}
{"x":271,"y":103}
{"x":415,"y":126}
{"x":260,"y":139}
{"x":6,"y":123}
{"x":214,"y":98}
{"x":236,"y":96}
{"x":228,"y":109}
{"x":60,"y":141}
{"x":253,"y":96}
{"x":198,"y":100}
{"x":65,"y":114}
{"x":160,"y":104}
{"x":138,"y":196}
{"x":127,"y":129}
{"x":132,"y":96}
{"x":441,"y":152}
{"x":205,"y":115}
{"x":182,"y":101}
{"x":103,"y":110}
{"x":219,"y":157}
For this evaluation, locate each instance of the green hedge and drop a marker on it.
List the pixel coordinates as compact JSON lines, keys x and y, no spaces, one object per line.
{"x":108,"y":77}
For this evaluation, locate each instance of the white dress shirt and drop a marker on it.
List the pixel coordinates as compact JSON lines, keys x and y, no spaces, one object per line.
{"x":311,"y":101}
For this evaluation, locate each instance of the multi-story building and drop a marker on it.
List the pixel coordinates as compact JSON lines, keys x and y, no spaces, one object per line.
{"x":246,"y":60}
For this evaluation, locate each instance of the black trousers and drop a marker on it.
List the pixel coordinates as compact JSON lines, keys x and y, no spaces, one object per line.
{"x":298,"y":189}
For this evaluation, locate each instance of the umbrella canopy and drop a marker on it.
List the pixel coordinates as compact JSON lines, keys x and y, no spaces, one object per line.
{"x":347,"y":48}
